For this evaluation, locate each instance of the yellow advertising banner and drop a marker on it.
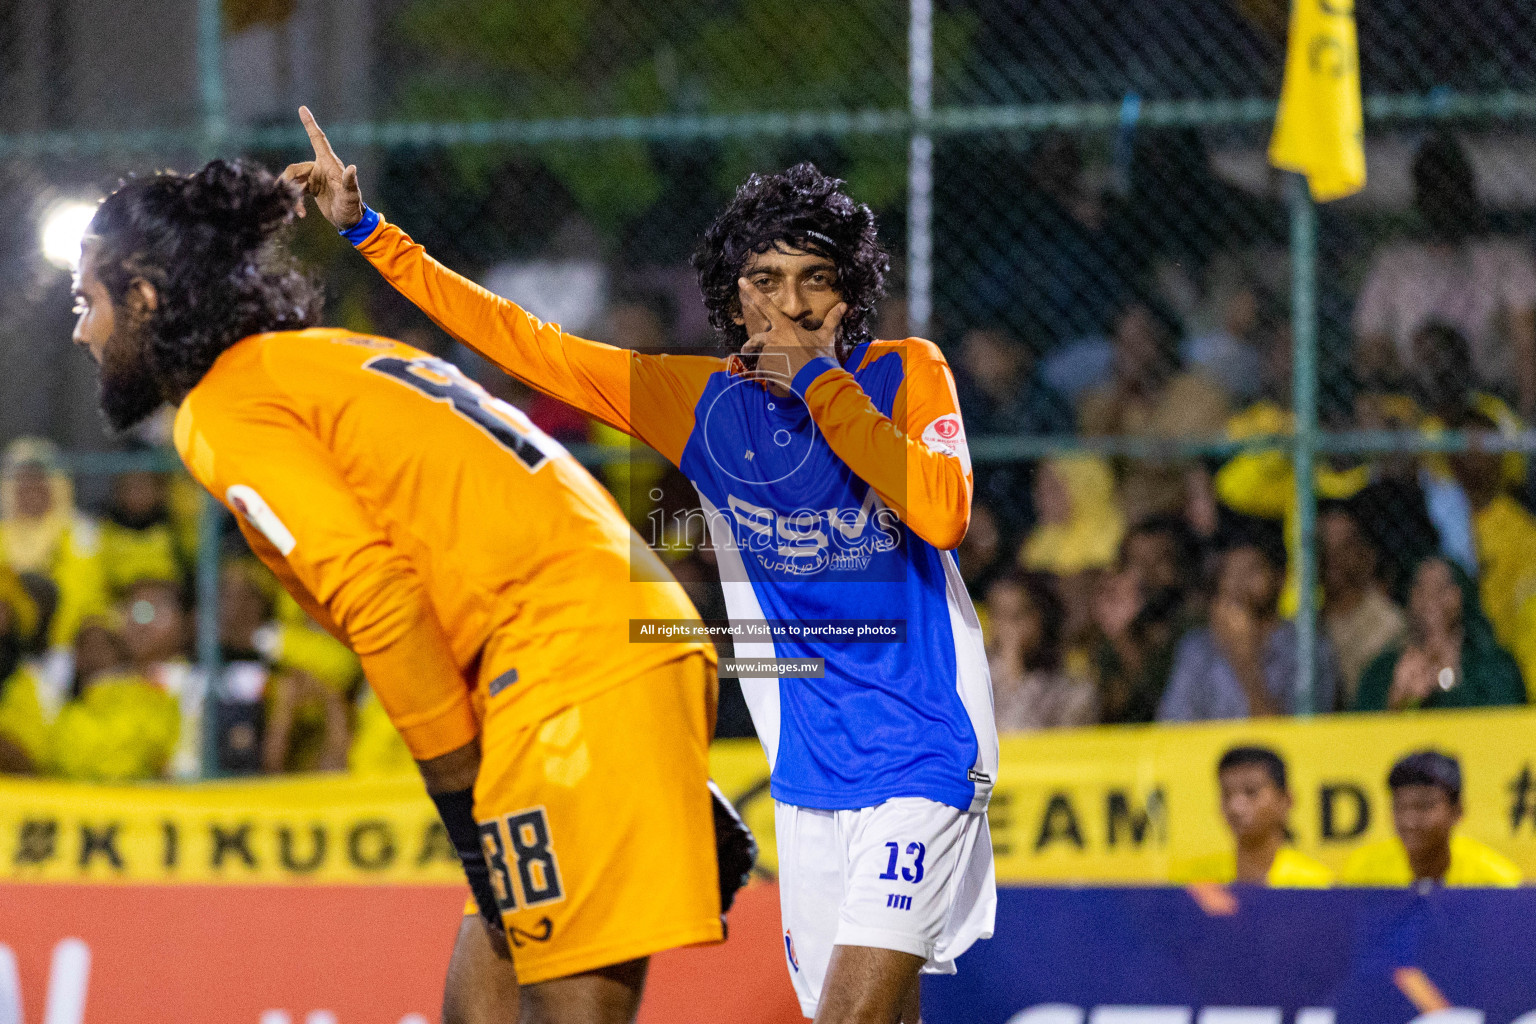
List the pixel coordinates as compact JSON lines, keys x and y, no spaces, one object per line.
{"x":1119,"y":804}
{"x":322,"y":829}
{"x":1131,"y":803}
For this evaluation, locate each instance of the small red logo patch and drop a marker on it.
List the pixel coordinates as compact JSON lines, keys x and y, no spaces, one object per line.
{"x":946,"y":428}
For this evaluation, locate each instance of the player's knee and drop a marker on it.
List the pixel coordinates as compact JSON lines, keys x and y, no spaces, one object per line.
{"x":608,"y":995}
{"x":482,"y":984}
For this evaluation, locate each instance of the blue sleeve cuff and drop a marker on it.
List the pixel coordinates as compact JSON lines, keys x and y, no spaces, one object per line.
{"x":358,"y":233}
{"x":809,"y":372}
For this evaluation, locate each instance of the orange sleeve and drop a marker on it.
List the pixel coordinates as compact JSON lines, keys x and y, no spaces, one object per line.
{"x":283,"y":485}
{"x":918,"y":462}
{"x":649,"y":397}
{"x":273,"y":559}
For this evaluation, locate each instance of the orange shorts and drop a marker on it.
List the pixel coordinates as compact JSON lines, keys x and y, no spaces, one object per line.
{"x":598,"y":828}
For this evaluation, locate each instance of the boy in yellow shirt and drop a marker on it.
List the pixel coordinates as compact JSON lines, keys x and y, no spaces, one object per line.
{"x":1256,"y":801}
{"x":1426,"y":808}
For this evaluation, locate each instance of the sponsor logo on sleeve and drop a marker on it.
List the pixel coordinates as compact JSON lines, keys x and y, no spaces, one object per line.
{"x":254,"y":510}
{"x":946,"y":435}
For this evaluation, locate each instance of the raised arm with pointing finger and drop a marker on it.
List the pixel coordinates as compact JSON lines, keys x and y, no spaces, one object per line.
{"x":598,"y":379}
{"x":913,"y":456}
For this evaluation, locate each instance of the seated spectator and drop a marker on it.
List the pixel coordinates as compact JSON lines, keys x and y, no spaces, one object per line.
{"x":999,"y":390}
{"x":303,"y":724}
{"x":1262,"y":483}
{"x":1456,"y":273}
{"x":1447,"y":397}
{"x":138,"y":539}
{"x":122,"y":728}
{"x":258,"y":618}
{"x":1256,"y":804}
{"x":1061,"y":265}
{"x":1079,"y":530}
{"x":1395,"y":510}
{"x":1445,"y":389}
{"x":1080,"y":521}
{"x":1451,"y":658}
{"x":24,"y":721}
{"x":1244,"y":663}
{"x":1426,"y":810}
{"x":1167,"y":557}
{"x":1505,"y":533}
{"x":41,"y":533}
{"x":984,"y":554}
{"x":1360,"y":619}
{"x":1135,"y":624}
{"x":1001,"y":394}
{"x":1149,"y":396}
{"x":1235,"y":350}
{"x":135,"y":706}
{"x":157,"y":632}
{"x":1030,"y":688}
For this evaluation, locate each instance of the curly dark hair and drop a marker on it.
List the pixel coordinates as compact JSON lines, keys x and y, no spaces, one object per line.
{"x":807,"y":210}
{"x":208,"y":243}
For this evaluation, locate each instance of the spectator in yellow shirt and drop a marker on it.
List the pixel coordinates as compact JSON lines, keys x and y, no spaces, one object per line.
{"x":1256,"y":802}
{"x":1426,"y":809}
{"x":139,"y":540}
{"x":23,"y":721}
{"x":1151,"y":395}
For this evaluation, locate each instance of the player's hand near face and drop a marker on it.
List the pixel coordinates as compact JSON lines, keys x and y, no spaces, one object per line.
{"x":333,"y":184}
{"x":782,"y":346}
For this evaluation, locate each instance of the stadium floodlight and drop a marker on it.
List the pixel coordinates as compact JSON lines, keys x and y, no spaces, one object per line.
{"x":62,"y":229}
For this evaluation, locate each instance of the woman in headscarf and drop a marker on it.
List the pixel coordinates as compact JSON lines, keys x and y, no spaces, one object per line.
{"x":1081,"y":522}
{"x":41,"y":533}
{"x":1032,"y":689}
{"x":1081,"y":525}
{"x":1451,"y":658}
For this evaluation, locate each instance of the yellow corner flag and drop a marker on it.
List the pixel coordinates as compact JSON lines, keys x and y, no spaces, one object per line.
{"x":1319,"y":128}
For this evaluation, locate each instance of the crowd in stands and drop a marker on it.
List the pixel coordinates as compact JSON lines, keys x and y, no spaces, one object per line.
{"x":99,"y":675}
{"x":1161,"y":588}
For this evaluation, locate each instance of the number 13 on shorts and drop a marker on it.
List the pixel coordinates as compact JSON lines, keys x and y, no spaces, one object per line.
{"x":910,"y":872}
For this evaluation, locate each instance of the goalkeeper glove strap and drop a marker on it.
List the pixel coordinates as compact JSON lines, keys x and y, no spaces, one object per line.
{"x":458,"y":813}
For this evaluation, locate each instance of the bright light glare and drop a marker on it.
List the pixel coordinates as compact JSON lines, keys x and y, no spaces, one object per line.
{"x":63,"y":229}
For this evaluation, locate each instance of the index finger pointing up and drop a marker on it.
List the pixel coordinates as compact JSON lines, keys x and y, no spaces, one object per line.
{"x":317,"y":136}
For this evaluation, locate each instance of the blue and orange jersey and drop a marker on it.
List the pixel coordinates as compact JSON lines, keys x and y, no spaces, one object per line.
{"x":469,"y":561}
{"x":841,"y":501}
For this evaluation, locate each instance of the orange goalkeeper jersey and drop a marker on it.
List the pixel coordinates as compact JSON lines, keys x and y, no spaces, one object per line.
{"x":462,"y":553}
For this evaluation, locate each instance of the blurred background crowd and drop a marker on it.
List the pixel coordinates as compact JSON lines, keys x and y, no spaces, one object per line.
{"x":1111,"y":281}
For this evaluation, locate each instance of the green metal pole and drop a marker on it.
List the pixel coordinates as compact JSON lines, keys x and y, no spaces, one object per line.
{"x":209,"y":656}
{"x":1304,"y":403}
{"x":210,"y":68}
{"x":920,"y":168}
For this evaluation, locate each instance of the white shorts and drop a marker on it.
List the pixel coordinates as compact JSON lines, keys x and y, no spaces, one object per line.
{"x":910,"y":874}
